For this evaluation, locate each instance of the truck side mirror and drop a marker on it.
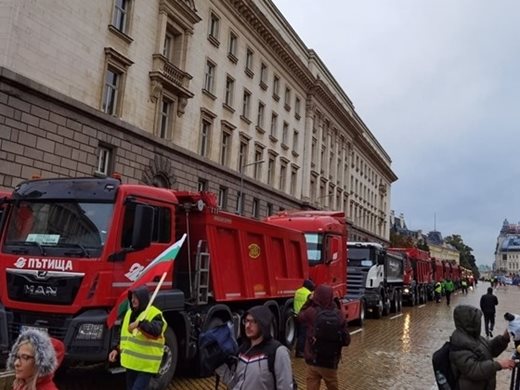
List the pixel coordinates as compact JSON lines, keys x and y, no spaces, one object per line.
{"x":381,"y":258}
{"x":143,"y":227}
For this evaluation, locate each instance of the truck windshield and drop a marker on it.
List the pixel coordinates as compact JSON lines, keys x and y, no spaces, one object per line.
{"x":314,"y":247}
{"x":360,"y":257}
{"x":58,"y":228}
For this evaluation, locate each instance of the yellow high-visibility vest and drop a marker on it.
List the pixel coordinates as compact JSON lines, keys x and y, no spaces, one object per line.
{"x":138,"y":352}
{"x":300,"y":297}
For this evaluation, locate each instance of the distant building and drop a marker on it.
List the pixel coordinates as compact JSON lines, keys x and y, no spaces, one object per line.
{"x":440,"y":249}
{"x":507,"y":251}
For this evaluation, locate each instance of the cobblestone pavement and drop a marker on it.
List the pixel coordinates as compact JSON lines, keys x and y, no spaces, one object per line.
{"x":391,"y":353}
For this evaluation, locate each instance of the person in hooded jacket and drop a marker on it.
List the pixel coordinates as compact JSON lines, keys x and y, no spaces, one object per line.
{"x":321,"y":299}
{"x":142,"y":340}
{"x":300,"y":297}
{"x":513,"y":327}
{"x":471,"y":355}
{"x":35,"y":357}
{"x":251,"y":370}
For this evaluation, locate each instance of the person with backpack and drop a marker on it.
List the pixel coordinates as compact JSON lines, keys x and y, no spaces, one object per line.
{"x":471,"y":355}
{"x":513,"y":327}
{"x":263,"y":363}
{"x":326,"y":335}
{"x":488,"y":302}
{"x":300,"y":297}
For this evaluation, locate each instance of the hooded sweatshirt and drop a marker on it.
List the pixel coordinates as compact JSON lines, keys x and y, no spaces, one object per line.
{"x":252,"y":369}
{"x":48,"y":355}
{"x":471,"y":355}
{"x":150,"y":328}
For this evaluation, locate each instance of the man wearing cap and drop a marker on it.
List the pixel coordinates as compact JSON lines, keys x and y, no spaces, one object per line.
{"x":300,"y":297}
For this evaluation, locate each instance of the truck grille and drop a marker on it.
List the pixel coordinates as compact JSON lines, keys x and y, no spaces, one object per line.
{"x":356,"y":281}
{"x":55,"y":288}
{"x":55,"y":324}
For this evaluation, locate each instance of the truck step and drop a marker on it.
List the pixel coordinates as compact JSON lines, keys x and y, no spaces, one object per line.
{"x":116,"y":370}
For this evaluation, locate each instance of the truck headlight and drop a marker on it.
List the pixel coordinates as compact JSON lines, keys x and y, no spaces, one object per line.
{"x":90,"y":332}
{"x":406,"y":291}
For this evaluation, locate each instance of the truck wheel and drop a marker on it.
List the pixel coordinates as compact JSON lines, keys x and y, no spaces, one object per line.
{"x":386,"y":306}
{"x":168,"y":364}
{"x":289,"y":328}
{"x":399,"y":302}
{"x":413,"y":299}
{"x":361,"y":319}
{"x":378,"y":309}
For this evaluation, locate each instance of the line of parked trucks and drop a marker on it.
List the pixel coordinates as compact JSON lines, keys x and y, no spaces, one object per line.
{"x":70,"y":247}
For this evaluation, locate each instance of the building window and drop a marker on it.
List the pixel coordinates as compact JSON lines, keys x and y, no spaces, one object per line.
{"x":112,"y":91}
{"x":245,"y":104}
{"x":232,"y":44}
{"x":294,"y":177}
{"x":213,"y":25}
{"x":165,"y":117}
{"x":104,"y":160}
{"x":260,"y":117}
{"x":276,"y":87}
{"x":225,"y":148}
{"x":295,"y":140}
{"x":263,"y":76}
{"x":283,"y":175}
{"x":287,"y":99}
{"x":230,"y":86}
{"x":222,"y":197}
{"x":259,"y":153}
{"x":121,"y":15}
{"x":285,"y":133}
{"x":270,"y":169}
{"x":249,"y":62}
{"x":269,"y":209}
{"x":274,"y":124}
{"x":255,"y":211}
{"x":202,"y":185}
{"x":297,"y":105}
{"x":240,"y":203}
{"x":242,"y":155}
{"x":209,"y":77}
{"x":205,"y":132}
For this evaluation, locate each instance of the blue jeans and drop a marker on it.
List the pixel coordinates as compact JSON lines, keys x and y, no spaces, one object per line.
{"x":136,"y":380}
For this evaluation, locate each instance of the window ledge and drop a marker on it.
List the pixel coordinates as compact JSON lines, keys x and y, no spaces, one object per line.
{"x":214,"y":41}
{"x":232,"y":58}
{"x":245,"y":119}
{"x":295,"y":153}
{"x":249,"y":73}
{"x":273,"y":138}
{"x":263,"y":85}
{"x":284,"y":146}
{"x":287,"y":107}
{"x":297,"y":116}
{"x":228,"y":107}
{"x":276,"y":97}
{"x":208,"y":94}
{"x":113,"y":29}
{"x":260,"y":130}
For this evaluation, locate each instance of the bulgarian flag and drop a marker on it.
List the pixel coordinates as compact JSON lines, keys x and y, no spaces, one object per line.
{"x":157,"y":267}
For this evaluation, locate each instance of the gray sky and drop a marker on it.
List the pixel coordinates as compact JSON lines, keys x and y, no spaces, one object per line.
{"x":438,"y":84}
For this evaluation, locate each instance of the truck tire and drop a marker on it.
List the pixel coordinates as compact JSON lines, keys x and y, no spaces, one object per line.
{"x":289,"y":328}
{"x":169,"y":362}
{"x":399,"y":301}
{"x":361,"y":319}
{"x":378,"y":309}
{"x":386,"y":306}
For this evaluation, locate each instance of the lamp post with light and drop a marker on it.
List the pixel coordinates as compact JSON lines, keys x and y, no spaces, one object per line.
{"x":241,"y":204}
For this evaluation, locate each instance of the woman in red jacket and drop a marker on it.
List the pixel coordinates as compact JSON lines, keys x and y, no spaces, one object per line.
{"x":34,"y":358}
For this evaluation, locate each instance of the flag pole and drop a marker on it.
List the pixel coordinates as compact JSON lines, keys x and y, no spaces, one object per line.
{"x":150,"y":302}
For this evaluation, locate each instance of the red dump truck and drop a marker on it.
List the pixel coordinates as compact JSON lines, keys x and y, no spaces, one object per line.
{"x":70,"y":247}
{"x":437,"y":270}
{"x":418,"y":282}
{"x":325,"y":234}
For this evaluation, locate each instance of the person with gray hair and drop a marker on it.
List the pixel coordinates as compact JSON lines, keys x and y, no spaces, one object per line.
{"x":35,"y":357}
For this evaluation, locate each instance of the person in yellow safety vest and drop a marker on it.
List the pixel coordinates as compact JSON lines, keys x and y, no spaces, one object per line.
{"x":300,"y":297}
{"x":438,"y":291}
{"x":142,"y":340}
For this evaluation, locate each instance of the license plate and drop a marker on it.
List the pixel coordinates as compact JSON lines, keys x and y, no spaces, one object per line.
{"x":23,"y":328}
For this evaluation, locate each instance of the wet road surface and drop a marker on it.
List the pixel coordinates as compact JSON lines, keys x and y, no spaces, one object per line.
{"x":391,"y":353}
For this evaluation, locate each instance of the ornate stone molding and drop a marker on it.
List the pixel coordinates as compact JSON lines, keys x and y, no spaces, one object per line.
{"x":160,"y":173}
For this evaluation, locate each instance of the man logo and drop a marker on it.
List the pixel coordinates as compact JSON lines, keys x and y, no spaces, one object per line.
{"x":41,"y":275}
{"x":20,"y":262}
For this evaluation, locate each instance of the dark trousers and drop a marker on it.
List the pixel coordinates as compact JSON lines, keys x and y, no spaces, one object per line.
{"x":136,"y":380}
{"x":489,"y":323}
{"x":448,"y":295}
{"x":302,"y":334}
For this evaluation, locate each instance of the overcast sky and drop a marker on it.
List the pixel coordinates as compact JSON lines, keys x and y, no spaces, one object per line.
{"x":437,"y":83}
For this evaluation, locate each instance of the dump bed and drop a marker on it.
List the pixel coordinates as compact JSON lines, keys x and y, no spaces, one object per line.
{"x":420,"y":263}
{"x":247,"y":259}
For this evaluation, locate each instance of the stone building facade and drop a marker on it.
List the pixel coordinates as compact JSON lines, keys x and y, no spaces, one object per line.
{"x":199,"y":95}
{"x":507,"y":251}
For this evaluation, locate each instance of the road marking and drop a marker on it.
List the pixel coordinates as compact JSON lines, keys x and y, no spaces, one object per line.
{"x":396,"y":316}
{"x":421,"y":306}
{"x":357,"y":331}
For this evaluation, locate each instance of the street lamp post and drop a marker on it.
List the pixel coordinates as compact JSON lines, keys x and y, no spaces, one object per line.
{"x":241,"y":204}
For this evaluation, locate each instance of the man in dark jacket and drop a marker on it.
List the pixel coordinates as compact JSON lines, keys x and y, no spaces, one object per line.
{"x":321,"y":299}
{"x":471,"y":355}
{"x":252,"y":369}
{"x":488,"y":302}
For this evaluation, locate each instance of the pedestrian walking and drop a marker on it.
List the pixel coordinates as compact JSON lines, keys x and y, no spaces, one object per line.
{"x":300,"y":297}
{"x":142,"y":340}
{"x":449,"y":287}
{"x":471,"y":355}
{"x":35,"y":357}
{"x":438,"y":292}
{"x":488,"y":303}
{"x":464,"y":286}
{"x":513,"y":327}
{"x":326,"y":335}
{"x":263,"y":363}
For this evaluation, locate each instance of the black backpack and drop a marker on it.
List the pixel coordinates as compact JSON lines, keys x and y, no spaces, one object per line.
{"x":329,"y":337}
{"x":216,"y":345}
{"x":444,"y":375}
{"x":271,"y":355}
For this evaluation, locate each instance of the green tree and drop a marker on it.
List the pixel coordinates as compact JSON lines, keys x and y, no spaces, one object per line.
{"x":466,"y":257}
{"x":400,"y":241}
